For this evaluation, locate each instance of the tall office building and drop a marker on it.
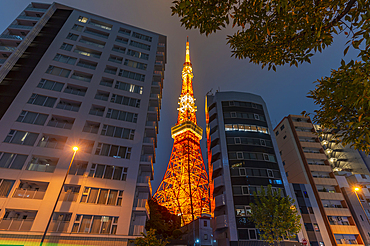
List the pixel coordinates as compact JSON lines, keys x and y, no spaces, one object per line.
{"x":327,"y":218}
{"x":242,"y":156}
{"x":71,"y":78}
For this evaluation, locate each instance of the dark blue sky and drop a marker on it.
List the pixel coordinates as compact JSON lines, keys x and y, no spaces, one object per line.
{"x":284,"y":91}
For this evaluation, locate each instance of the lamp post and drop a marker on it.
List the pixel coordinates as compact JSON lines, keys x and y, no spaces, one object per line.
{"x":355,"y":190}
{"x":75,"y":148}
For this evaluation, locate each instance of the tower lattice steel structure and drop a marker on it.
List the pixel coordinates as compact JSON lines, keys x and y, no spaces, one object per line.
{"x":184,"y":190}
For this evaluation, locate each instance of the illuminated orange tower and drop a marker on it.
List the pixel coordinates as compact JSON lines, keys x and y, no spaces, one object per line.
{"x":184,"y":188}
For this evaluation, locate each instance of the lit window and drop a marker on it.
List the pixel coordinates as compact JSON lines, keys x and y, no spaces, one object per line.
{"x":83,"y":19}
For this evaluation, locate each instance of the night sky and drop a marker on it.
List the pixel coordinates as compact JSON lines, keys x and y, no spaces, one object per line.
{"x":284,"y":91}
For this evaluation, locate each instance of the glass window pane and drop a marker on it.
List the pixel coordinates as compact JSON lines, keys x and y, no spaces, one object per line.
{"x":30,"y":117}
{"x":107,"y":221}
{"x":6,"y":159}
{"x":18,"y":162}
{"x":5,"y":187}
{"x":95,"y":227}
{"x":112,"y":197}
{"x":85,"y":224}
{"x":99,"y":171}
{"x":93,"y":195}
{"x":103,"y":196}
{"x":40,"y":120}
{"x":108,"y":172}
{"x":117,"y":173}
{"x":114,"y":150}
{"x":105,"y":149}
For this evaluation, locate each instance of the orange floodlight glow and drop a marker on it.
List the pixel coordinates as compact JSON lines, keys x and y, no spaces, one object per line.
{"x":75,"y":148}
{"x":356,"y":189}
{"x":184,"y":190}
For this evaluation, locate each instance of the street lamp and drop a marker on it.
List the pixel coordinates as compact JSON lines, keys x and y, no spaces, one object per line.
{"x":75,"y":148}
{"x":358,"y":189}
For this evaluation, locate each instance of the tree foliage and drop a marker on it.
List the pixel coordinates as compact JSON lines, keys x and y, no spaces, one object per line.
{"x":163,"y":221}
{"x":278,"y":32}
{"x":150,"y":239}
{"x":274,"y":215}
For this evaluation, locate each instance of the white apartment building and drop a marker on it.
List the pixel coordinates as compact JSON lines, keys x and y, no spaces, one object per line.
{"x":70,"y":78}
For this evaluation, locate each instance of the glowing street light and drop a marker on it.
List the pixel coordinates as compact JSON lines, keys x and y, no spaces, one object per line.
{"x":355,"y":190}
{"x":75,"y":148}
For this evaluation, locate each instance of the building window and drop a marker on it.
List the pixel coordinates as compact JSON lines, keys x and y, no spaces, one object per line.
{"x":277,"y":133}
{"x":95,"y":224}
{"x":140,"y":45}
{"x":129,"y":101}
{"x":129,"y":87}
{"x":131,"y":75}
{"x":12,"y":161}
{"x":50,"y":85}
{"x":205,"y":223}
{"x":282,"y":127}
{"x":78,"y":168}
{"x":108,"y":172}
{"x":113,"y":151}
{"x":86,"y":145}
{"x":42,"y":164}
{"x":142,"y":36}
{"x":246,"y":128}
{"x":121,"y":115}
{"x":316,"y":227}
{"x":65,"y":59}
{"x":5,"y":187}
{"x":135,"y":64}
{"x":18,"y":220}
{"x":124,"y":31}
{"x":83,"y":19}
{"x":42,"y":100}
{"x":32,"y":118}
{"x":21,"y":137}
{"x":117,"y":132}
{"x":138,"y":54}
{"x":119,"y":49}
{"x":77,"y":28}
{"x":121,"y":40}
{"x":102,"y":196}
{"x":67,"y":47}
{"x":205,"y":237}
{"x":62,"y":72}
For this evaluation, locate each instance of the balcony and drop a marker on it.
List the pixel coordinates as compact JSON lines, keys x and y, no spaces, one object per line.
{"x":84,"y":41}
{"x":7,"y":49}
{"x":219,"y":182}
{"x":85,"y":53}
{"x":78,"y":77}
{"x":221,"y":222}
{"x":11,"y":37}
{"x":312,"y":145}
{"x":143,"y":184}
{"x":25,"y":17}
{"x":344,"y":229}
{"x":59,"y":226}
{"x":35,"y":9}
{"x":315,"y":156}
{"x":156,"y":84}
{"x":320,"y":168}
{"x":96,"y":33}
{"x":217,"y":165}
{"x":306,"y":134}
{"x":30,"y":194}
{"x":220,"y":200}
{"x":216,"y":149}
{"x":337,"y":212}
{"x":331,"y":196}
{"x":20,"y":27}
{"x":215,"y":135}
{"x":325,"y":181}
{"x":13,"y":224}
{"x":302,"y":124}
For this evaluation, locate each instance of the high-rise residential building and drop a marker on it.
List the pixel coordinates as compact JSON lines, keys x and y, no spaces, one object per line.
{"x":242,"y":156}
{"x":184,"y":188}
{"x":72,"y":78}
{"x":325,"y":212}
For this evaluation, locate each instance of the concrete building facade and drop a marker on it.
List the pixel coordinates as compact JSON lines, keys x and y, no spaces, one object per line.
{"x":70,"y":78}
{"x":326,"y":215}
{"x":242,"y":156}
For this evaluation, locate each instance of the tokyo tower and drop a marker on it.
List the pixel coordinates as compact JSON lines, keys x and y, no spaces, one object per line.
{"x":184,"y":190}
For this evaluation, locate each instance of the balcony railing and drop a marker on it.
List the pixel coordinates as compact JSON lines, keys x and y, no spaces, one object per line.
{"x":59,"y":226}
{"x":160,"y":53}
{"x":110,"y":71}
{"x":96,"y":34}
{"x":80,"y":64}
{"x":151,"y":123}
{"x":30,"y":194}
{"x":68,"y":196}
{"x":141,"y":203}
{"x":101,"y":26}
{"x":35,"y":9}
{"x":161,"y":44}
{"x":146,"y":158}
{"x":115,"y":60}
{"x":58,"y":124}
{"x":86,"y":53}
{"x":156,"y":83}
{"x":7,"y":36}
{"x":41,"y":167}
{"x":80,"y":78}
{"x":12,"y":224}
{"x":21,"y":27}
{"x":148,"y":140}
{"x":8,"y":48}
{"x":25,"y":17}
